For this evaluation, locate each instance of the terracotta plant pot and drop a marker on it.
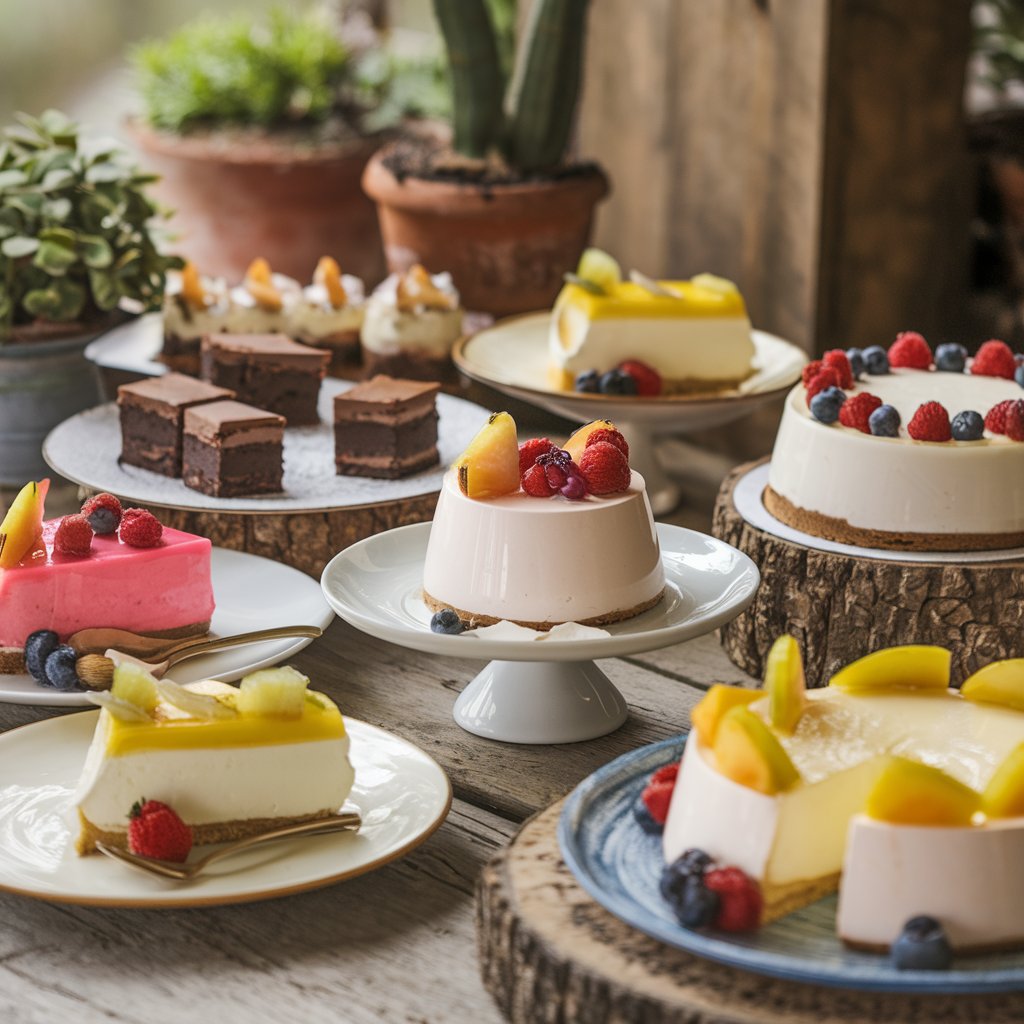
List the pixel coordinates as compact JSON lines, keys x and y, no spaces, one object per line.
{"x":506,"y":245}
{"x":238,"y":196}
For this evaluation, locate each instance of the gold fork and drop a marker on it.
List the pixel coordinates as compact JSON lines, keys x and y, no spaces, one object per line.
{"x":185,"y":872}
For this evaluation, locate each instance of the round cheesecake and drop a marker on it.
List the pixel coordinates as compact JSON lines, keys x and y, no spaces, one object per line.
{"x":539,"y":562}
{"x":841,"y":484}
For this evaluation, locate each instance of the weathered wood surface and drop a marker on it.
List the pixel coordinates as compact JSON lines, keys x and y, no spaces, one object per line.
{"x":841,"y":608}
{"x":548,"y":952}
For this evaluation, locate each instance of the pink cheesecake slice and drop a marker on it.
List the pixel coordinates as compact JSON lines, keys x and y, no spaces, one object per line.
{"x":160,"y":590}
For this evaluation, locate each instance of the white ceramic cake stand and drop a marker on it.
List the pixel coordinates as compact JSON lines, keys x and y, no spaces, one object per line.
{"x":512,"y":356}
{"x":538,"y":691}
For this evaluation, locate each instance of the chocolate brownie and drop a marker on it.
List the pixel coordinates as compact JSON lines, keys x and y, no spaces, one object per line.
{"x":151,"y":413}
{"x":268,"y":370}
{"x":231,"y":449}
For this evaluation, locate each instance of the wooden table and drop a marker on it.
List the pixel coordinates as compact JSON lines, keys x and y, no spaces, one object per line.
{"x":396,"y":945}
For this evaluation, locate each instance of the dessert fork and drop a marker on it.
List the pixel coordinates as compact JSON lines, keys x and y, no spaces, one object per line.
{"x":185,"y":872}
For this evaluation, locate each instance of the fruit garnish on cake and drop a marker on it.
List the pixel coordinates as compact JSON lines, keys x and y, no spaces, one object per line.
{"x":882,"y":783}
{"x":259,"y":283}
{"x":416,"y":289}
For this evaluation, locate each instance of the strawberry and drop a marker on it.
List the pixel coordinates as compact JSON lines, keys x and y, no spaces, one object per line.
{"x":140,"y":529}
{"x":604,"y":468}
{"x":995,"y":418}
{"x":910,"y":350}
{"x":740,"y":900}
{"x":1015,"y":420}
{"x":648,"y":380}
{"x":856,"y":411}
{"x":535,"y":482}
{"x":73,"y":537}
{"x":154,"y":830}
{"x":611,"y":436}
{"x":826,"y":377}
{"x":808,"y":373}
{"x":838,"y":360}
{"x":930,"y":423}
{"x":666,"y":773}
{"x":656,"y":797}
{"x":994,"y":359}
{"x":529,"y":450}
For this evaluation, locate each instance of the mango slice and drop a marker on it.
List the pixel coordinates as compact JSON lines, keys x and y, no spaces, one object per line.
{"x":328,"y":276}
{"x":489,"y":467}
{"x":913,"y":667}
{"x":1002,"y":682}
{"x":747,"y":752}
{"x":23,"y":524}
{"x":1003,"y":797}
{"x":599,"y":268}
{"x":575,"y":445}
{"x":714,"y":705}
{"x":259,"y":283}
{"x":784,"y":683}
{"x":910,"y":793}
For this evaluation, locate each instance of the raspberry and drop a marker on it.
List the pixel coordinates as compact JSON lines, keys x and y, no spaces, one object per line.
{"x":838,"y":361}
{"x":154,"y":830}
{"x":535,"y":482}
{"x":740,"y":900}
{"x":856,"y":411}
{"x":666,"y":773}
{"x":1015,"y":420}
{"x":73,"y":537}
{"x":140,"y":529}
{"x":656,"y":797}
{"x":103,"y":512}
{"x":529,"y":450}
{"x":930,"y":423}
{"x":994,"y":359}
{"x":910,"y":350}
{"x":824,"y":378}
{"x":995,"y":418}
{"x":808,"y":372}
{"x":604,"y":468}
{"x":648,"y":380}
{"x":611,"y":436}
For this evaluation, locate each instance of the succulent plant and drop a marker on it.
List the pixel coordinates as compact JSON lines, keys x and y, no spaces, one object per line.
{"x":529,"y":117}
{"x":75,"y":238}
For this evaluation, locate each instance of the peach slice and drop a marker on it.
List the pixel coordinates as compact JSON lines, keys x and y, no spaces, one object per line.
{"x":1002,"y":682}
{"x":784,"y":683}
{"x":747,"y":752}
{"x":192,"y":287}
{"x":23,"y":524}
{"x":416,"y":288}
{"x":575,"y":445}
{"x":328,"y":276}
{"x":910,"y":793}
{"x":912,"y":667}
{"x":259,"y":283}
{"x":714,"y":705}
{"x":1003,"y":797}
{"x":489,"y":467}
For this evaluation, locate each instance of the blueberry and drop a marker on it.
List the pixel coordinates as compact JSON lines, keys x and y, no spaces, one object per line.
{"x":103,"y":520}
{"x":446,"y":621}
{"x":921,"y":946}
{"x":951,"y":358}
{"x":644,"y":819}
{"x":617,"y":382}
{"x":694,"y":904}
{"x":60,"y":669}
{"x":967,"y":426}
{"x":876,"y":360}
{"x":884,"y":422}
{"x":825,"y":404}
{"x":691,"y":863}
{"x":589,"y":381}
{"x":1018,"y":374}
{"x":38,"y":647}
{"x":856,"y":358}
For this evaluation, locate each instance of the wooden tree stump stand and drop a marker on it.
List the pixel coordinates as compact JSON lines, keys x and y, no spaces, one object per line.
{"x":841,"y":607}
{"x":549,"y":953}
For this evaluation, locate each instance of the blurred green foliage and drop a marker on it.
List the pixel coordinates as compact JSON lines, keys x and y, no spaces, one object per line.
{"x":999,"y":40}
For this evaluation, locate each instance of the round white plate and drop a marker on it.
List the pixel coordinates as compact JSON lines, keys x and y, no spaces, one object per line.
{"x":513,"y":357}
{"x":131,"y":347}
{"x":86,"y":449}
{"x":402,"y":794}
{"x":250,"y":593}
{"x":376,"y":585}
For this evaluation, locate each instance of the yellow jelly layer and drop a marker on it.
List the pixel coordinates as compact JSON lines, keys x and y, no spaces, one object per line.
{"x":320,"y":720}
{"x":628,"y":299}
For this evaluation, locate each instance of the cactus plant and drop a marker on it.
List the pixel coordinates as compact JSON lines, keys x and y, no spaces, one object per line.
{"x":529,"y":120}
{"x":74,"y":226}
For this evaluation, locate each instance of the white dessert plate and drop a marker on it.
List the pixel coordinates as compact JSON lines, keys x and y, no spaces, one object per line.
{"x":86,"y":449}
{"x":401,"y":793}
{"x":250,"y":593}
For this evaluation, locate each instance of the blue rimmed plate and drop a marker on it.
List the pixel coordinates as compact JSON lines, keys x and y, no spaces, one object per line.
{"x":619,"y":865}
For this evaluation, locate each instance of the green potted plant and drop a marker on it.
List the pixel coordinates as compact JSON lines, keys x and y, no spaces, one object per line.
{"x":75,"y":246}
{"x":503,"y":207}
{"x":260,"y":129}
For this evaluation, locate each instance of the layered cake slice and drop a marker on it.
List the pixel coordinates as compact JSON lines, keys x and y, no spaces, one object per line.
{"x":194,"y":305}
{"x":386,"y":428}
{"x":329,"y":313}
{"x":233,"y":449}
{"x":262,"y":302}
{"x":269,"y":371}
{"x":152,"y":411}
{"x":231,"y":761}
